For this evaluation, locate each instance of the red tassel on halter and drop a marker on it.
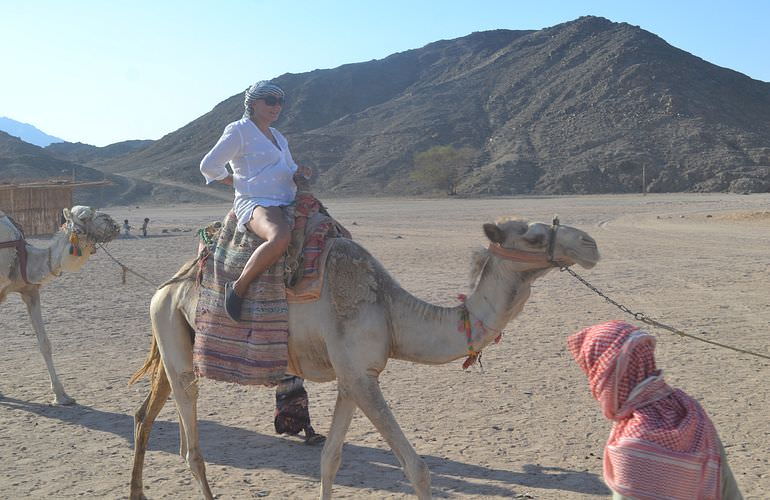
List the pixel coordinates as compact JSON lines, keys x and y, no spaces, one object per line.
{"x":471,"y":360}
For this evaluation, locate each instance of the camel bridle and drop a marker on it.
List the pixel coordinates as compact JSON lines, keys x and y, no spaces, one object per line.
{"x":91,"y":231}
{"x":546,"y":259}
{"x":80,"y":229}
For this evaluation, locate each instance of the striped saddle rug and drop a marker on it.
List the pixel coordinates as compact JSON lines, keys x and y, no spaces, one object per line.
{"x":254,"y":351}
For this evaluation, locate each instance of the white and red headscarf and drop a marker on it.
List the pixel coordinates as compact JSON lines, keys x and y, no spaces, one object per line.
{"x":662,"y":444}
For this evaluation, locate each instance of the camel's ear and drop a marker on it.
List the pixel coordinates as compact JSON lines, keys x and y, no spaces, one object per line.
{"x":494,"y":233}
{"x":67,"y":215}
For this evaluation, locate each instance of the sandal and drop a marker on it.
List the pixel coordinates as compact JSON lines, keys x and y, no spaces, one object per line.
{"x":233,"y":302}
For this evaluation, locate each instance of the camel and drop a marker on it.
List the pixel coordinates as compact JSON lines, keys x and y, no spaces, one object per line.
{"x":68,"y":251}
{"x":362,"y":319}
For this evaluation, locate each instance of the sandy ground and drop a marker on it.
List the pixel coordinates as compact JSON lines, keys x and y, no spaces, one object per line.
{"x":525,"y":428}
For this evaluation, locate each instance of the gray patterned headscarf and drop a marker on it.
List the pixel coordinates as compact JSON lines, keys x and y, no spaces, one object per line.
{"x":258,"y":91}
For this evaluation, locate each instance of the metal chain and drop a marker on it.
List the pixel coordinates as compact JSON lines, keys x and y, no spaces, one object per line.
{"x":646,"y":319}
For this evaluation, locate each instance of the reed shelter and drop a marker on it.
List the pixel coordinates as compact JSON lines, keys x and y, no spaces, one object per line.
{"x":37,"y":206}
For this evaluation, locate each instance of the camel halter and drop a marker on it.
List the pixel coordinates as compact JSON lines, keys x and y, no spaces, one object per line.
{"x":93,"y":234}
{"x":515,"y":255}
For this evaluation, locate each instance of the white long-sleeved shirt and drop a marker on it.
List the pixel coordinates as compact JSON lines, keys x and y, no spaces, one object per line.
{"x":262,"y":172}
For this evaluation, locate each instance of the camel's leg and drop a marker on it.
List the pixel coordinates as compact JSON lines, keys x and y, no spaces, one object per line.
{"x":175,"y":344}
{"x":182,"y":437}
{"x":31,"y":297}
{"x":331,"y":455}
{"x":143,"y":420}
{"x":184,"y":387}
{"x":366,"y":393}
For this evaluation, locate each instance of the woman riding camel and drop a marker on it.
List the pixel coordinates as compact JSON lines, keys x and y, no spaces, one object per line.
{"x":662,"y":443}
{"x":263,"y":178}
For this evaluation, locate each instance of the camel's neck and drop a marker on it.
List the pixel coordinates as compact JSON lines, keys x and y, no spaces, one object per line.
{"x":44,"y":264}
{"x":430,"y":334}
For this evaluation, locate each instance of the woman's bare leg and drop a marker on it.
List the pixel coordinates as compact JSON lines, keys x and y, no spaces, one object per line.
{"x":270,"y":224}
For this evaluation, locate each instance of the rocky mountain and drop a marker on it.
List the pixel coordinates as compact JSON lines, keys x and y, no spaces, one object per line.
{"x":22,"y":162}
{"x":581,"y":107}
{"x":26,"y":132}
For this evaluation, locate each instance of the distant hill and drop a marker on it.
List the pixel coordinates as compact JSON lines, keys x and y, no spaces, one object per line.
{"x":26,"y":132}
{"x":23,"y":162}
{"x":580,"y":107}
{"x":97,"y":157}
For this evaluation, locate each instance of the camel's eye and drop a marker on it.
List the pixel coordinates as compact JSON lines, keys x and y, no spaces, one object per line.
{"x":535,"y":240}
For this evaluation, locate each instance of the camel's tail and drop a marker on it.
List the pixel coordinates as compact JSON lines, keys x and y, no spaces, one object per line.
{"x":152,"y":364}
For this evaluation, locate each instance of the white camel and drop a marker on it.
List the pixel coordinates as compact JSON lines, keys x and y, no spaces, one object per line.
{"x":25,"y":268}
{"x":362,"y":319}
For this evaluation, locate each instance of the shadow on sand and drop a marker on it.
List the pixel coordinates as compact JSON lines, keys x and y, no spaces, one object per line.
{"x":246,"y":449}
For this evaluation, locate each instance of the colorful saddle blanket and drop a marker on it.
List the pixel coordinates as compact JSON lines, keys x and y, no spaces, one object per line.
{"x":254,"y":351}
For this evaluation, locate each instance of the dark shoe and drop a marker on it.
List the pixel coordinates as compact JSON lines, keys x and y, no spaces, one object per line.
{"x":312,"y":438}
{"x":233,"y":302}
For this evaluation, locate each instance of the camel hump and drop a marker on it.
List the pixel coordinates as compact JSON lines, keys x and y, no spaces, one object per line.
{"x":9,"y":229}
{"x":8,"y":254}
{"x":354,"y":277}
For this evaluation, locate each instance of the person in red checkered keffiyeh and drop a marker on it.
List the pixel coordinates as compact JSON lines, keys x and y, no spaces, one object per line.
{"x":662,"y":444}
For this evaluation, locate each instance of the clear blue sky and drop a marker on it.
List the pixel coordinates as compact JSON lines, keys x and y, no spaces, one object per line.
{"x":103,"y":71}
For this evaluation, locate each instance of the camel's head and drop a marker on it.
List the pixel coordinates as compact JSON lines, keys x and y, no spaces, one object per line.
{"x":540,"y":243}
{"x":86,"y":227}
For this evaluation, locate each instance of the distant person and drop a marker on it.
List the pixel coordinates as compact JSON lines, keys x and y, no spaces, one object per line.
{"x":662,"y":443}
{"x":126,"y":229}
{"x":144,"y":227}
{"x":263,"y":178}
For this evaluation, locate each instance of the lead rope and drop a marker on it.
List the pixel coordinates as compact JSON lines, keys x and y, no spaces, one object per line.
{"x":646,"y":319}
{"x":125,"y":268}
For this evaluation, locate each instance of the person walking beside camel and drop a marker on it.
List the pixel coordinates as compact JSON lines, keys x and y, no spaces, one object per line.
{"x":662,"y":443}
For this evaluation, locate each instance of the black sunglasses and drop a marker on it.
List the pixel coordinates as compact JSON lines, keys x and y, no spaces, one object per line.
{"x":272,"y":100}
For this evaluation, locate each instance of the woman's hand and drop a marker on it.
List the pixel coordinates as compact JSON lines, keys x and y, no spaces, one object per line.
{"x":305,"y":172}
{"x":227,"y":181}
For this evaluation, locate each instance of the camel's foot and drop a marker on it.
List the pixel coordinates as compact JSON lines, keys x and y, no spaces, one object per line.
{"x":137,"y":496}
{"x":63,"y":400}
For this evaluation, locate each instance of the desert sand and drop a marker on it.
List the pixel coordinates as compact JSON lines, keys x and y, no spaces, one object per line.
{"x":526,"y":427}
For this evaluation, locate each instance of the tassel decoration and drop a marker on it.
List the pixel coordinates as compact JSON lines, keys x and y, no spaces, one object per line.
{"x":75,"y":246}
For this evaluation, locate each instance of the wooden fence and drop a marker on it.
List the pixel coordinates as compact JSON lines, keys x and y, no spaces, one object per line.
{"x":37,"y":207}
